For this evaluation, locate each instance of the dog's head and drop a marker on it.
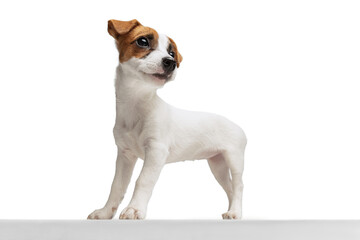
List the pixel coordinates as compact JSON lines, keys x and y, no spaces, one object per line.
{"x":148,"y":55}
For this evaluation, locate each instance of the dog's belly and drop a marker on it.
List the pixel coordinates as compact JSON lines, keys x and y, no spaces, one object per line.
{"x":185,"y":148}
{"x":192,"y":155}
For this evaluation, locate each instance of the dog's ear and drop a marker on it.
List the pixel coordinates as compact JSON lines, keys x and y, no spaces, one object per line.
{"x":117,"y":28}
{"x":178,"y":57}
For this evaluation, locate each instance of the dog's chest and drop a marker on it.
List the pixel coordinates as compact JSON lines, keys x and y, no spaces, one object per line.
{"x":129,"y":139}
{"x":128,"y":130}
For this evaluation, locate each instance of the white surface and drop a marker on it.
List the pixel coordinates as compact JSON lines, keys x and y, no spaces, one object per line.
{"x":180,"y":230}
{"x":286,"y":71}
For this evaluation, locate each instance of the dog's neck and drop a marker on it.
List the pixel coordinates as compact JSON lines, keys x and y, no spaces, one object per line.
{"x":135,"y":98}
{"x":130,"y":87}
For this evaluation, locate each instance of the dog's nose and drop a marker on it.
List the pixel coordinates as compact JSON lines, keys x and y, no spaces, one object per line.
{"x":168,"y":64}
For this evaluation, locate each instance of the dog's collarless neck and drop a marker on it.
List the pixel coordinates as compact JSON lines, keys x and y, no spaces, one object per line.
{"x":129,"y":87}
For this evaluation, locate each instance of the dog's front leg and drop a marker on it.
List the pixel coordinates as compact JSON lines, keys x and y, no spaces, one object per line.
{"x":125,"y":163}
{"x":155,"y":158}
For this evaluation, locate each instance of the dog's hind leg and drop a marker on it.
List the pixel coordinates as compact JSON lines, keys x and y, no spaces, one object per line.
{"x":125,"y":163}
{"x":235,"y":160}
{"x":221,"y":172}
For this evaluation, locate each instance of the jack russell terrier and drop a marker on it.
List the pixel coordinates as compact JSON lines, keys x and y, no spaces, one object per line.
{"x":146,"y":127}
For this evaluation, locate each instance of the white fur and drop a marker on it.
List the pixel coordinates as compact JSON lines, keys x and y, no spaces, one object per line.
{"x":148,"y":128}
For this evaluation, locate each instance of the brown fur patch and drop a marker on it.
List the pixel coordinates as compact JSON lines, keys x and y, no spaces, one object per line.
{"x":178,"y":57}
{"x":126,"y":33}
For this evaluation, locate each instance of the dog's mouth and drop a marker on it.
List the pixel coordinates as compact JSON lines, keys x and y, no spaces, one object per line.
{"x":161,"y":77}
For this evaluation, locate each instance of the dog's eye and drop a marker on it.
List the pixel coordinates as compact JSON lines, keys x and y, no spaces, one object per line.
{"x":172,"y":54}
{"x":142,"y":42}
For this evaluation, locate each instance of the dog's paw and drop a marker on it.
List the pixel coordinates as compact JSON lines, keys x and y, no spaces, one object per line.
{"x":132,"y":213}
{"x":103,"y":213}
{"x":232,"y":215}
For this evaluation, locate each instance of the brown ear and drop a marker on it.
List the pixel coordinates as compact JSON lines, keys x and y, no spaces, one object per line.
{"x":117,"y":28}
{"x":178,"y":57}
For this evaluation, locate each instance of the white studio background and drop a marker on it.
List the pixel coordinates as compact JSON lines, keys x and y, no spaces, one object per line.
{"x":287,"y":72}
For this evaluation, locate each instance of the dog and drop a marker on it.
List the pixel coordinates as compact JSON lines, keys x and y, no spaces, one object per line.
{"x":146,"y":127}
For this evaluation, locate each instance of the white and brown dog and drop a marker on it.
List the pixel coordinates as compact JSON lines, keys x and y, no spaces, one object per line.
{"x":148,"y":128}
